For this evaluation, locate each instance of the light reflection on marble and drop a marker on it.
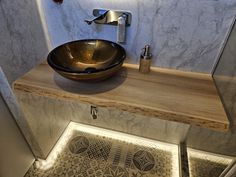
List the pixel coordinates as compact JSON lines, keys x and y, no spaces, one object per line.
{"x":148,"y":127}
{"x":183,"y":35}
{"x":48,"y":118}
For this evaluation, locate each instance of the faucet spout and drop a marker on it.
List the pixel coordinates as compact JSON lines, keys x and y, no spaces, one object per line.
{"x":121,"y":19}
{"x":99,"y":19}
{"x":89,"y":22}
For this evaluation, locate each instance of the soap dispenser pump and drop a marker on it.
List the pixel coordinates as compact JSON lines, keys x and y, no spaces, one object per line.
{"x":145,"y":60}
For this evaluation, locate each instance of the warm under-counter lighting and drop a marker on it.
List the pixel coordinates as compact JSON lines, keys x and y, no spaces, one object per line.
{"x":48,"y":163}
{"x":209,"y":156}
{"x":58,"y":148}
{"x":216,"y":158}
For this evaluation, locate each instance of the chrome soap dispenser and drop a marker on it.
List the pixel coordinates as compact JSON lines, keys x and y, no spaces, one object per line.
{"x":145,"y":60}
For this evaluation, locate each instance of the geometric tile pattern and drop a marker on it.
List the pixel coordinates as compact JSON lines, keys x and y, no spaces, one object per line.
{"x":78,"y":144}
{"x":203,"y":164}
{"x":88,"y":155}
{"x":206,"y":168}
{"x":99,"y":149}
{"x":144,"y":160}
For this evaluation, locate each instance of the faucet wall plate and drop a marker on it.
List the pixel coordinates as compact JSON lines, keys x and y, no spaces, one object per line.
{"x":112,"y":16}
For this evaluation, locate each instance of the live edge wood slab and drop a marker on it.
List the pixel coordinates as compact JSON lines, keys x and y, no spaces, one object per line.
{"x":184,"y":97}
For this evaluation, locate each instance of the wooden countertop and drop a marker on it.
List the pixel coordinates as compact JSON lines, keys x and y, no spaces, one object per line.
{"x":167,"y":94}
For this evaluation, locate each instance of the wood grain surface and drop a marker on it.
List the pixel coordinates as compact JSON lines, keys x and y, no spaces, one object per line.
{"x":167,"y":94}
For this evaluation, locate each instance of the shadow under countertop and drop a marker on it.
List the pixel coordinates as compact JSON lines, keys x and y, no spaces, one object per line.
{"x":83,"y":87}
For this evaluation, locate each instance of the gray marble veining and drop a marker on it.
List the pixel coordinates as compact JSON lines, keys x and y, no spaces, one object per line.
{"x":225,"y":79}
{"x":22,"y":38}
{"x":186,"y":35}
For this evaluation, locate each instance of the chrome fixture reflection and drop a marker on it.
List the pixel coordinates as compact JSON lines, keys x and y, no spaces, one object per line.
{"x":94,"y":112}
{"x":145,"y":60}
{"x":100,"y":17}
{"x":121,"y":19}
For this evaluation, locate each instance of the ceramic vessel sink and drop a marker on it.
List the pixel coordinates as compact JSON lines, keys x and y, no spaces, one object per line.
{"x":87,"y":60}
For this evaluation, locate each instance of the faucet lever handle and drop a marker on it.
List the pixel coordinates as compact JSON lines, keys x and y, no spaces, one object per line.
{"x":121,"y":31}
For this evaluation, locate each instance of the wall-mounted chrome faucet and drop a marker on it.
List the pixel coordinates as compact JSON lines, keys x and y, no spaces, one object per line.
{"x":121,"y":19}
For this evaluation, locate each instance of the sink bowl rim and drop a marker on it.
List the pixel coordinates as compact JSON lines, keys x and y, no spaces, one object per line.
{"x":58,"y":67}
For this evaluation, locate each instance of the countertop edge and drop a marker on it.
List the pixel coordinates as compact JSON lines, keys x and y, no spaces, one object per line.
{"x":140,"y":109}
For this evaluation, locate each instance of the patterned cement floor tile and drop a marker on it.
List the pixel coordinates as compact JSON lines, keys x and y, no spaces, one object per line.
{"x":202,"y":164}
{"x":88,"y":155}
{"x":89,"y":152}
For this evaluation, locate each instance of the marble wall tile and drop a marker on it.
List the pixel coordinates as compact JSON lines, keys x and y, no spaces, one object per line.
{"x":22,"y":46}
{"x":185,"y":35}
{"x":135,"y":124}
{"x":212,"y":141}
{"x":23,"y":43}
{"x":17,"y":113}
{"x":225,"y":79}
{"x":48,"y":117}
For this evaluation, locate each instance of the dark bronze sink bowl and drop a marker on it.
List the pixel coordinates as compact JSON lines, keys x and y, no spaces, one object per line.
{"x":87,"y":60}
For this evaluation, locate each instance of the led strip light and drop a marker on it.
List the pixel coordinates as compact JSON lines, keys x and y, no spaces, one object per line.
{"x":209,"y":156}
{"x":226,"y":160}
{"x":60,"y":145}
